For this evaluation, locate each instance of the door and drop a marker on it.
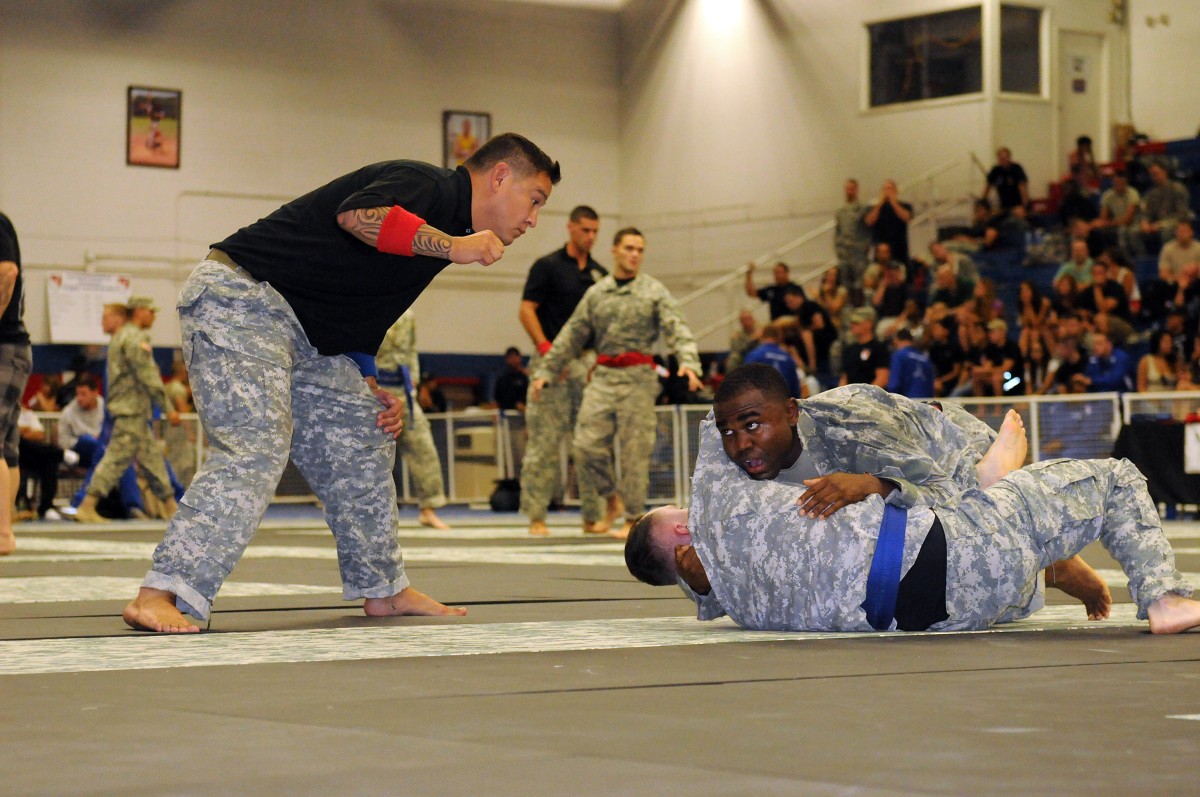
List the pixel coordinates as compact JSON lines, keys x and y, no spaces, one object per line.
{"x":1080,"y":94}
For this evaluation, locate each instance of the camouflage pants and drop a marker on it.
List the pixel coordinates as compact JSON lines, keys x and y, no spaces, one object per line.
{"x":262,"y":391}
{"x":999,"y":540}
{"x":617,"y":404}
{"x":131,"y":439}
{"x":852,"y":262}
{"x":420,"y":454}
{"x":549,"y":422}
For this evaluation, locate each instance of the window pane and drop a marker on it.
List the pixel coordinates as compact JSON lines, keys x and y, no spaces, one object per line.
{"x":920,"y":58}
{"x":1020,"y":49}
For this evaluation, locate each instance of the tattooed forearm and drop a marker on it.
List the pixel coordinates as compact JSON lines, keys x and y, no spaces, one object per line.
{"x":364,"y":223}
{"x":8,"y":282}
{"x":431,"y":241}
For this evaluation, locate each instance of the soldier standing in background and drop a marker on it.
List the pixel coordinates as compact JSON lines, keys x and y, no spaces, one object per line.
{"x":623,"y":314}
{"x":554,"y":287}
{"x":398,"y":353}
{"x":135,"y":387}
{"x":851,"y":238}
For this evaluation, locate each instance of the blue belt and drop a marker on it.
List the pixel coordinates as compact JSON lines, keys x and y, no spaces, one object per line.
{"x":883,"y":582}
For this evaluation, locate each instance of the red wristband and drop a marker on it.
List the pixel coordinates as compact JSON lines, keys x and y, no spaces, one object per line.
{"x":544,"y":346}
{"x":397,"y":232}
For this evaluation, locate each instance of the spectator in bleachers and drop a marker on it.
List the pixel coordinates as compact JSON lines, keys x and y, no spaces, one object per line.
{"x":40,"y":460}
{"x":1158,"y":369}
{"x":774,"y":293}
{"x":1187,"y":293}
{"x":1119,"y":209}
{"x":1189,"y":373}
{"x":46,"y":397}
{"x":984,"y":303}
{"x":1175,"y":322}
{"x":1117,"y":328}
{"x":1033,"y":314}
{"x":833,"y":295}
{"x":866,"y":360}
{"x":973,"y":339}
{"x":964,"y":268}
{"x":817,"y":334}
{"x":949,"y":289}
{"x":1078,"y":202}
{"x":1103,"y":296}
{"x":883,"y":259}
{"x":1065,"y":300}
{"x":1120,"y":271}
{"x":743,"y":340}
{"x":1037,"y":364}
{"x":910,"y":372}
{"x":1066,"y":369}
{"x":888,"y":297}
{"x":1081,"y":163}
{"x":1008,"y":180}
{"x":1179,"y":252}
{"x":851,"y":237}
{"x":1163,"y":207}
{"x":946,"y":356}
{"x":430,"y":395}
{"x":770,"y":351}
{"x":1001,"y":360}
{"x":981,"y":234}
{"x":888,"y":219}
{"x":81,"y":421}
{"x":1079,"y":266}
{"x":1107,"y":368}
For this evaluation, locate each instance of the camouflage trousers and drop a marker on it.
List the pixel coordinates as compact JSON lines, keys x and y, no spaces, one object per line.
{"x":618,"y":404}
{"x":263,"y":392}
{"x":549,"y":422}
{"x":852,"y":262}
{"x":131,"y":439}
{"x":999,"y":540}
{"x":420,"y":455}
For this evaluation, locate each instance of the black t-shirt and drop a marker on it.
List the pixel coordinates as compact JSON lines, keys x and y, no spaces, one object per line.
{"x":556,"y":284}
{"x":12,"y":324}
{"x":1066,"y":370}
{"x":346,"y":293}
{"x":773,"y":296}
{"x":510,"y":390}
{"x":860,"y":360}
{"x":1086,"y":299}
{"x":890,"y":229}
{"x":945,"y":356}
{"x":1007,"y":182}
{"x":823,"y":331}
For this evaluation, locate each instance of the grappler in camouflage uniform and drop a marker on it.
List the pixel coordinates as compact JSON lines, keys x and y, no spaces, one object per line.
{"x":135,"y":387}
{"x":624,"y":314}
{"x":399,"y":351}
{"x":275,"y":324}
{"x":968,"y":563}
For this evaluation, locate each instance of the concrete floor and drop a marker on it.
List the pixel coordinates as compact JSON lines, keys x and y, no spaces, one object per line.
{"x":566,"y":678}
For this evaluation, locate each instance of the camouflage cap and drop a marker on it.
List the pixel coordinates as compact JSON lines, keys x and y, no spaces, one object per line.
{"x":860,"y":314}
{"x":144,"y":302}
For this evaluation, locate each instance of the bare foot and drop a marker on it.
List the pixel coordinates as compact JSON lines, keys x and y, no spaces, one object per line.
{"x":1173,"y":614}
{"x":1007,"y":452}
{"x":596,"y":527}
{"x":409,"y":602}
{"x":614,"y":510}
{"x":154,"y":610}
{"x":1077,"y":578}
{"x":428,"y":517}
{"x":623,"y":532}
{"x":8,"y":542}
{"x":538,"y":528}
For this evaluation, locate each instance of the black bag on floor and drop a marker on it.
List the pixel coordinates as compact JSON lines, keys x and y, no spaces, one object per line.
{"x":507,"y":496}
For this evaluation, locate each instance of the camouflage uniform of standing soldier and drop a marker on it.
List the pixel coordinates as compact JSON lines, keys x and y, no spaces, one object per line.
{"x":978,"y":554}
{"x":624,"y":314}
{"x":553,"y":289}
{"x":851,"y":238}
{"x":280,"y":326}
{"x":135,"y":387}
{"x":398,"y":352}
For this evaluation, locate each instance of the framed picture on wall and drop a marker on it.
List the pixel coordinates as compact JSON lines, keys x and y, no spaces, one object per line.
{"x":463,"y":132}
{"x":152,"y":127}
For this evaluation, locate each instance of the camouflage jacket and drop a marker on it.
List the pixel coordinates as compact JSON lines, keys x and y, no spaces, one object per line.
{"x":399,"y":347}
{"x":134,"y":382}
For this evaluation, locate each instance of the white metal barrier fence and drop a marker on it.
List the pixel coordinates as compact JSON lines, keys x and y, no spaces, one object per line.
{"x":480,"y":447}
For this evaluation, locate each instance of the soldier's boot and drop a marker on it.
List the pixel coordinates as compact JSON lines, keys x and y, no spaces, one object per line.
{"x":86,"y":513}
{"x":538,"y":528}
{"x":167,"y":508}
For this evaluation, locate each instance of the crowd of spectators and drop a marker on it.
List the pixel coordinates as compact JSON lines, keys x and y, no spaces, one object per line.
{"x":930,"y":324}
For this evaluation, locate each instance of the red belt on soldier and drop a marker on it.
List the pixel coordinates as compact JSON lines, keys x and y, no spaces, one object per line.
{"x":626,"y":359}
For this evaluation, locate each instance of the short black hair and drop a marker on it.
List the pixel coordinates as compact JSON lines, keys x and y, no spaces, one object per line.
{"x":518,"y":152}
{"x":88,"y":381}
{"x":755,"y":376}
{"x":580,"y":212}
{"x":793,"y":289}
{"x":644,"y":563}
{"x":511,"y":350}
{"x":621,"y":233}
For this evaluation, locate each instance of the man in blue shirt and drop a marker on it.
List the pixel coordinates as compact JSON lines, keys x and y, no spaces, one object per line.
{"x":911,"y":372}
{"x":1107,"y":369}
{"x":770,"y":352}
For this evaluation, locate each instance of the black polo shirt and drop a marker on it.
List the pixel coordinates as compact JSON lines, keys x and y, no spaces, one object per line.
{"x":12,"y":324}
{"x":773,"y":296}
{"x":556,"y":284}
{"x":346,"y":293}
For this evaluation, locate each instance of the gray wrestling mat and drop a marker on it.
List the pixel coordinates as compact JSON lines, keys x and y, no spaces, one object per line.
{"x":566,"y":678}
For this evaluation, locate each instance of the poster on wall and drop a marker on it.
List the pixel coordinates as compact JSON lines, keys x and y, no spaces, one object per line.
{"x":152,"y":127}
{"x":75,"y":303}
{"x":463,"y":132}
